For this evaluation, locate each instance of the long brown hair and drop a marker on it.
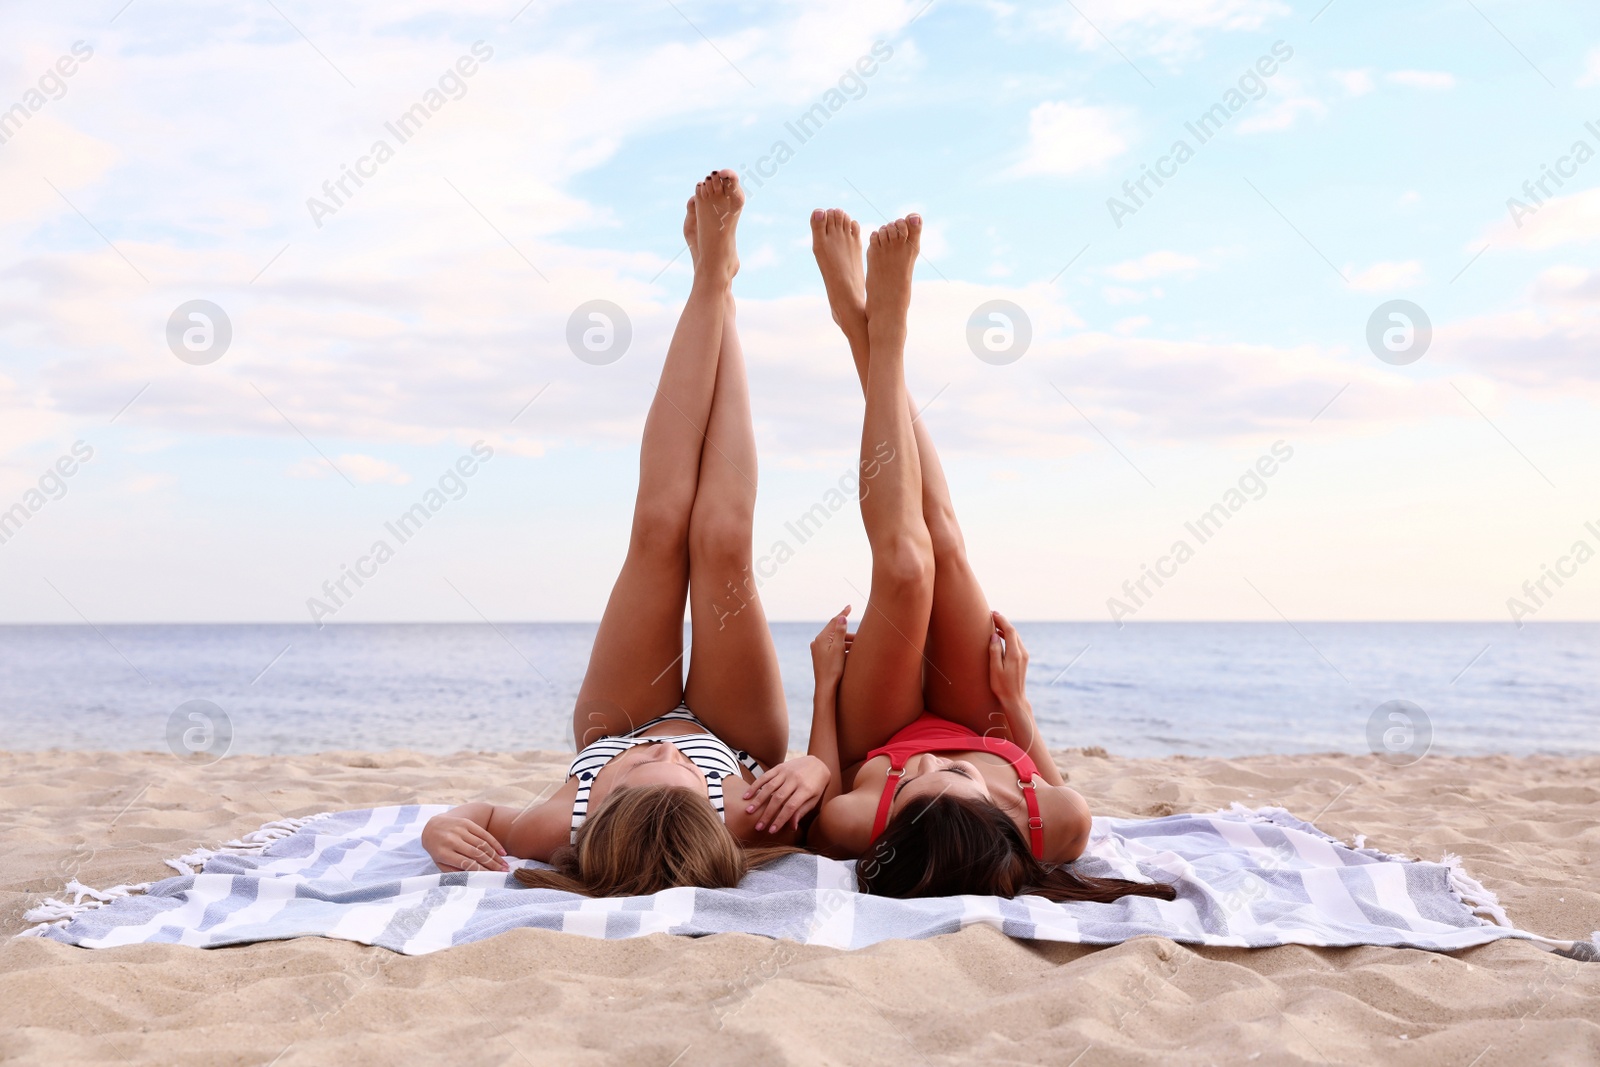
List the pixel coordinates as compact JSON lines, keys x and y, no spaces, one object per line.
{"x":644,"y":839}
{"x":949,"y":846}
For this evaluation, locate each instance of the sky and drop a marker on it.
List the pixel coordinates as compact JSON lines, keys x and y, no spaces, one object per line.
{"x":1218,"y":340}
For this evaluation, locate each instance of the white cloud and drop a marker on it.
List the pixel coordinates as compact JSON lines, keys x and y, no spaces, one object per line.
{"x":1354,"y":82}
{"x":1547,"y":344}
{"x":1567,"y":285}
{"x":1119,"y":294}
{"x":935,"y":243}
{"x":1153,"y":265}
{"x":1563,"y":220}
{"x":46,"y":152}
{"x":1283,"y":114}
{"x":1591,"y":69}
{"x":1171,"y":29}
{"x":1433,"y":80}
{"x":358,"y":467}
{"x":368,"y":470}
{"x":1533,"y":349}
{"x":1385,"y":276}
{"x":1065,"y":138}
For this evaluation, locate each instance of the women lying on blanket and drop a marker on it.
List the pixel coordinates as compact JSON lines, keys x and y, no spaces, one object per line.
{"x":937,"y":779}
{"x":644,"y":807}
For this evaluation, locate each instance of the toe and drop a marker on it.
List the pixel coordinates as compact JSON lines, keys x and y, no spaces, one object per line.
{"x":914,"y":222}
{"x":901,"y":229}
{"x":855,"y":228}
{"x":818,"y":218}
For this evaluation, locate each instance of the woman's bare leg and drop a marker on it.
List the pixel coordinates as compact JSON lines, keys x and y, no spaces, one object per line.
{"x":734,"y":685}
{"x":882,"y":686}
{"x":956,"y":681}
{"x":634,"y":672}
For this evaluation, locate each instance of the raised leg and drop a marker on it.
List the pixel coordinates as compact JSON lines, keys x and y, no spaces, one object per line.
{"x":956,"y":677}
{"x":734,"y":685}
{"x":634,"y":672}
{"x":882,"y":686}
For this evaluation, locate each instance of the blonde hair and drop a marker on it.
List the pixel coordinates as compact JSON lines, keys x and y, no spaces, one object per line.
{"x":644,"y":839}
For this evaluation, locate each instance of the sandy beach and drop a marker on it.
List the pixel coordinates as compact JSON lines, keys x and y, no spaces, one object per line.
{"x":1528,"y":828}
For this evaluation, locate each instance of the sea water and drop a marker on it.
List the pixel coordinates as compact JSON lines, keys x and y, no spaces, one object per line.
{"x":1146,"y":689}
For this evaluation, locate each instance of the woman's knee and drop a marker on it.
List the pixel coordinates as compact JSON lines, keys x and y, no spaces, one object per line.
{"x":659,"y":531}
{"x":720,"y":537}
{"x":903,"y":567}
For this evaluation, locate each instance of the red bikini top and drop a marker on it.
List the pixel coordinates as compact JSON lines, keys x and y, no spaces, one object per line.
{"x":930,"y":733}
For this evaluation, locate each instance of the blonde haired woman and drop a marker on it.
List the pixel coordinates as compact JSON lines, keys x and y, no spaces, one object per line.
{"x":655,"y":797}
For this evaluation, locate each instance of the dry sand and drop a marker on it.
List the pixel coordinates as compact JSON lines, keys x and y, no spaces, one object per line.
{"x":1529,"y":829}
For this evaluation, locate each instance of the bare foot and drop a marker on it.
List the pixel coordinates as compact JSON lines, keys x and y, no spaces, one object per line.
{"x":891,"y":257}
{"x":718,"y":201}
{"x":691,"y":233}
{"x":836,"y":242}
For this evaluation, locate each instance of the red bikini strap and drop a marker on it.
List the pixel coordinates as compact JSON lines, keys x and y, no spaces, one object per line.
{"x":1035,"y":822}
{"x":1024,"y":765}
{"x":897,"y":770}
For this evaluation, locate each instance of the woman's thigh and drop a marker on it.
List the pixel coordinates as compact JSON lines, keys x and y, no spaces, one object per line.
{"x":956,"y":683}
{"x":634,"y":671}
{"x":881,"y":692}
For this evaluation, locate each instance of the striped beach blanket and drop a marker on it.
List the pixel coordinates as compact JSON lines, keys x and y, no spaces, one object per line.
{"x":1245,"y":878}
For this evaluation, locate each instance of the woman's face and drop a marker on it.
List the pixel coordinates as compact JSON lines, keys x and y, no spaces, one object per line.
{"x":657,"y":763}
{"x":931,"y":775}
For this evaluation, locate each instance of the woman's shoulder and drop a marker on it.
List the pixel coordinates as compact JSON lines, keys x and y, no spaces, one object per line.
{"x":867,"y":774}
{"x":843,"y":826}
{"x":540,"y":829}
{"x":1067,"y":822}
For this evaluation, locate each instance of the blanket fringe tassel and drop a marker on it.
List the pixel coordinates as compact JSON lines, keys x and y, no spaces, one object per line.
{"x":251,"y":844}
{"x":56,"y":912}
{"x":1473,"y":894}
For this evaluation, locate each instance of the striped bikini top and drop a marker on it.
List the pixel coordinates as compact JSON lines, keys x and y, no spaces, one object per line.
{"x":710,"y":753}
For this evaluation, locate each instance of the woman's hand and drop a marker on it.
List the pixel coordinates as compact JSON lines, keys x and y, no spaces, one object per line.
{"x":1008,"y":665}
{"x":829,"y":648}
{"x":787,"y":793}
{"x":458,"y":844}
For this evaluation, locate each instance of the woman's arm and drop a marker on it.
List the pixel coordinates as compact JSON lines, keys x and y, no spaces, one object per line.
{"x":843,"y":827}
{"x":828,"y":653}
{"x":792,"y":790}
{"x":477,"y":836}
{"x":1008,"y":677}
{"x":461,"y":838}
{"x":789,"y":794}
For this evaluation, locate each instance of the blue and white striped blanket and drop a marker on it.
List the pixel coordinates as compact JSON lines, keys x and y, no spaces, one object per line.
{"x":1244,"y":878}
